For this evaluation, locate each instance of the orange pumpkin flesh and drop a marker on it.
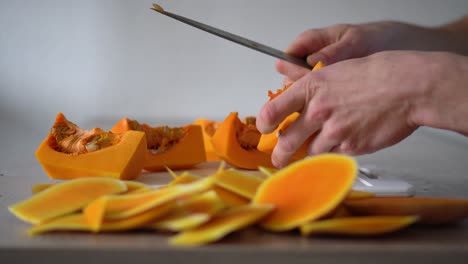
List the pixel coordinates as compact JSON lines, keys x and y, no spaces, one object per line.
{"x":236,"y":143}
{"x":306,"y":190}
{"x":358,"y":226}
{"x":120,"y":158}
{"x":209,"y":127}
{"x":429,"y":210}
{"x":176,"y":148}
{"x":268,"y":141}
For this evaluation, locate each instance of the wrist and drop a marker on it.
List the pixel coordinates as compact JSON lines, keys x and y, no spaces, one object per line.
{"x":443,"y":94}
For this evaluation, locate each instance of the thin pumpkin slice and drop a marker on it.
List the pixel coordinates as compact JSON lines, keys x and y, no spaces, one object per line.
{"x":222,"y":224}
{"x":429,"y":210}
{"x":358,"y":226}
{"x":69,"y":152}
{"x":79,"y":222}
{"x":240,"y":183}
{"x":64,"y":198}
{"x":72,"y":222}
{"x":236,"y":143}
{"x":306,"y":190}
{"x":209,"y":127}
{"x":353,"y":194}
{"x":117,"y":207}
{"x":190,"y":212}
{"x":37,"y":188}
{"x":176,"y":147}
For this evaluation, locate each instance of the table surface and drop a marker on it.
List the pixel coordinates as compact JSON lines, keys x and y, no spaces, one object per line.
{"x":434,"y":163}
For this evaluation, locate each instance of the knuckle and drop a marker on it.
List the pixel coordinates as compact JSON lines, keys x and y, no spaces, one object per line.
{"x":334,"y":132}
{"x":320,"y":111}
{"x":286,"y":145}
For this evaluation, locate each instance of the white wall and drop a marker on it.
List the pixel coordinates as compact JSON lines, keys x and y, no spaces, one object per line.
{"x":100,"y":60}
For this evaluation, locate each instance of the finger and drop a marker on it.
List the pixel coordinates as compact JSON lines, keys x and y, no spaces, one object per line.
{"x":291,"y":71}
{"x":323,"y":143}
{"x":274,"y":111}
{"x":287,"y":81}
{"x":339,"y":51}
{"x":308,"y":42}
{"x":292,"y":138}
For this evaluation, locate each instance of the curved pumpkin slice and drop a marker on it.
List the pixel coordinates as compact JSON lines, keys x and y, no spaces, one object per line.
{"x":243,"y":184}
{"x":306,"y":190}
{"x":236,"y":143}
{"x":73,"y":222}
{"x":358,"y":226}
{"x":69,"y":152}
{"x":64,"y":198}
{"x":176,"y":148}
{"x":222,"y":224}
{"x":430,"y":210}
{"x":208,"y":129}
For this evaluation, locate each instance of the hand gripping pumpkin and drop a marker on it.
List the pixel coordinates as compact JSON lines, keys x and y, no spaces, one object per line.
{"x":70,"y":152}
{"x":268,"y":141}
{"x":236,"y":143}
{"x":176,"y":148}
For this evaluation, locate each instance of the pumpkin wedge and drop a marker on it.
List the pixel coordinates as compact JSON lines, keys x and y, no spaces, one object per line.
{"x":69,"y":152}
{"x":176,"y":148}
{"x":222,"y":224}
{"x":358,"y":226}
{"x":64,"y":198}
{"x":236,"y":143}
{"x":306,"y":190}
{"x":208,"y":129}
{"x":429,"y":210}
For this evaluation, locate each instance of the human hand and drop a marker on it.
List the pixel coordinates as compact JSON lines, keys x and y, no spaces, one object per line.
{"x":341,"y":42}
{"x":352,"y":107}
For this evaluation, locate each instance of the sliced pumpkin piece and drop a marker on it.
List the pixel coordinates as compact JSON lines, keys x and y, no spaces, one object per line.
{"x":69,"y":152}
{"x":209,"y":127}
{"x":123,"y":206}
{"x":243,"y":184}
{"x":358,"y":226}
{"x":353,"y":194}
{"x":179,"y":223}
{"x":72,"y":222}
{"x":306,"y":190}
{"x":236,"y":143}
{"x":190,"y":212}
{"x":222,"y":224}
{"x":429,"y":210}
{"x":176,"y":148}
{"x":37,"y":188}
{"x":64,"y":198}
{"x":136,"y":187}
{"x":230,"y":198}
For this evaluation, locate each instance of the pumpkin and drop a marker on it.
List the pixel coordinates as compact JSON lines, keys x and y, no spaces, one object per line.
{"x":306,"y":190}
{"x":243,"y":184}
{"x":268,"y":141}
{"x":63,"y":198}
{"x":236,"y":143}
{"x":69,"y":152}
{"x":176,"y":148}
{"x":209,"y":127}
{"x":358,"y":226}
{"x":429,"y":210}
{"x":222,"y":224}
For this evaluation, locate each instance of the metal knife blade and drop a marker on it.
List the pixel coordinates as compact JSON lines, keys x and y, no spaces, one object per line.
{"x":235,"y":38}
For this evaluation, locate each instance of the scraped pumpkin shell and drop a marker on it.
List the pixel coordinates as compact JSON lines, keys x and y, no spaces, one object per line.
{"x":306,"y":190}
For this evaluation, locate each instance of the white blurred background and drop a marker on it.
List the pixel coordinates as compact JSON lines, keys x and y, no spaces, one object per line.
{"x":100,"y":60}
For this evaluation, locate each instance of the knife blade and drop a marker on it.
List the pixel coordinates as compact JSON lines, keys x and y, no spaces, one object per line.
{"x":235,"y":38}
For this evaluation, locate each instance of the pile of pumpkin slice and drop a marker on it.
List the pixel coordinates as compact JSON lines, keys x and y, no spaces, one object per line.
{"x":313,"y":195}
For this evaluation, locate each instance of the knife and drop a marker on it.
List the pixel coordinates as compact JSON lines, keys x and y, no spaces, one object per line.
{"x":235,"y":38}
